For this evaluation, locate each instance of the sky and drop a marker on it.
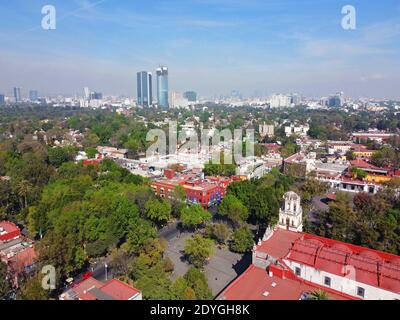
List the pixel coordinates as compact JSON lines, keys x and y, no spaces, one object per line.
{"x":258,"y":47}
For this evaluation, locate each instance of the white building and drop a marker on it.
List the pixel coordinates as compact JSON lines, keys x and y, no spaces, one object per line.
{"x":266,"y":130}
{"x":291,"y":215}
{"x":280,"y":101}
{"x":300,"y":130}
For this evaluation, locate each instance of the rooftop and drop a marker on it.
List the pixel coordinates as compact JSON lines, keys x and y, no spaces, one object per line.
{"x":92,"y":289}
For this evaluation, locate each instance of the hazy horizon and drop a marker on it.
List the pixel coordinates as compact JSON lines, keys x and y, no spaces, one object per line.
{"x":210,"y":46}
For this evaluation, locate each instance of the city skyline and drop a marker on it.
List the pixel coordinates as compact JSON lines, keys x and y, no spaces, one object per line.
{"x":210,"y":46}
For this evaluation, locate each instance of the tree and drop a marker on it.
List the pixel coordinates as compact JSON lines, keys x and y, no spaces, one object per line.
{"x":218,"y":231}
{"x":57,"y":156}
{"x":311,"y":188}
{"x":198,"y":250}
{"x":120,"y":261}
{"x":178,"y":200}
{"x":196,"y":280}
{"x":318,"y":294}
{"x":181,"y":290}
{"x":358,"y":173}
{"x":350,"y":155}
{"x":158,"y":211}
{"x":194,"y":216}
{"x":148,"y":271}
{"x":138,"y":234}
{"x":242,"y":240}
{"x":32,"y":290}
{"x":5,"y":285}
{"x":234,"y":209}
{"x":91,"y":152}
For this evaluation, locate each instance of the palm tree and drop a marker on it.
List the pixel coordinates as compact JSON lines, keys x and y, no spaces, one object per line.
{"x":24,"y":188}
{"x":318,"y":294}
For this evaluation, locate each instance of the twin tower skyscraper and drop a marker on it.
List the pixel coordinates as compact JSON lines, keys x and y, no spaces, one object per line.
{"x":145,"y":88}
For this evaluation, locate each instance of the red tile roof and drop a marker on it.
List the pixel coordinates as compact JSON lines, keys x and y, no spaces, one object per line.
{"x":114,"y":289}
{"x":364,"y":165}
{"x":256,"y":284}
{"x":23,"y":259}
{"x":9,"y":231}
{"x":279,"y":244}
{"x":372,"y":267}
{"x":119,"y":290}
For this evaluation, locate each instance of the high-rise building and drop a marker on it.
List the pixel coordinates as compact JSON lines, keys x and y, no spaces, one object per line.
{"x":86,"y":92}
{"x":280,"y":101}
{"x":336,"y":101}
{"x":191,"y":96}
{"x":162,"y":87}
{"x":2,"y":99}
{"x":96,"y":95}
{"x":33,"y":95}
{"x":177,"y":100}
{"x":17,"y":94}
{"x":266,"y":130}
{"x":144,"y":89}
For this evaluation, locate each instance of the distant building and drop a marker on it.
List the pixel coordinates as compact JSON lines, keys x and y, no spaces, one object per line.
{"x":207,"y":191}
{"x":295,"y":99}
{"x":16,"y":251}
{"x":114,"y":153}
{"x":162,"y":87}
{"x":17,"y":95}
{"x":177,"y":100}
{"x":92,"y":289}
{"x":33,"y":95}
{"x":191,"y":96}
{"x":144,"y":89}
{"x":300,"y":130}
{"x":86,"y":92}
{"x":336,"y":101}
{"x":2,"y":99}
{"x":299,"y":164}
{"x":96,"y":95}
{"x":280,"y":101}
{"x":266,"y":130}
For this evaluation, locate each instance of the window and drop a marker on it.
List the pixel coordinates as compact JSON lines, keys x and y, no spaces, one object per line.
{"x":360,"y":292}
{"x":298,"y":271}
{"x":327,"y":281}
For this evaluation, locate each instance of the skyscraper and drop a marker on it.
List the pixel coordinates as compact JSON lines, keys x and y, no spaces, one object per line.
{"x":17,"y":94}
{"x":33,"y":95}
{"x":191,"y":96}
{"x":2,"y":99}
{"x":86,"y":92}
{"x":144,"y":89}
{"x":162,"y":87}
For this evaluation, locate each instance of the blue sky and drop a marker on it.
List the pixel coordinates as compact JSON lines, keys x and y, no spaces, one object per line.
{"x":210,"y":46}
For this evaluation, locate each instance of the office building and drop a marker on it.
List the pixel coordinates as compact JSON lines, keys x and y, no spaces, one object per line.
{"x":86,"y":92}
{"x":336,"y":101}
{"x":96,"y":95}
{"x":191,"y":96}
{"x":17,"y":94}
{"x":2,"y":99}
{"x":162,"y":87}
{"x":33,"y":95}
{"x":266,"y":130}
{"x":144,"y":89}
{"x":177,"y":100}
{"x":280,"y":101}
